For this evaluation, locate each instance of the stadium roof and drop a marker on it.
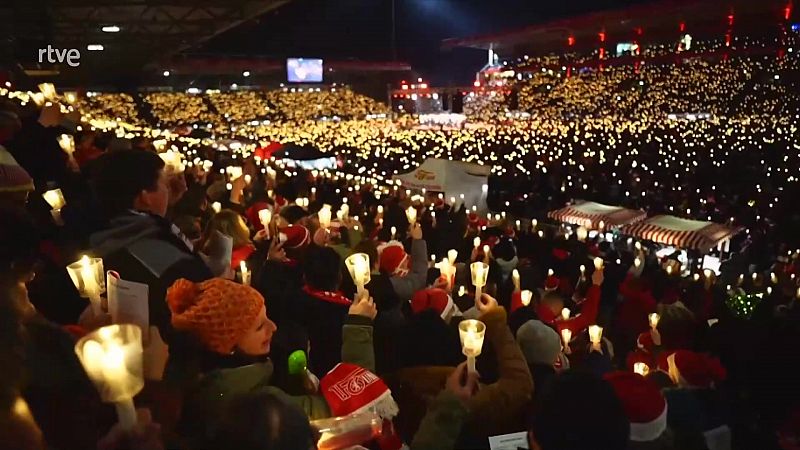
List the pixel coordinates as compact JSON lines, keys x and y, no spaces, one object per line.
{"x":657,"y":22}
{"x":149,"y":31}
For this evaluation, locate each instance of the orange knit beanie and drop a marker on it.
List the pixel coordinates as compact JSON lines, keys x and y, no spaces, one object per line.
{"x":219,"y":312}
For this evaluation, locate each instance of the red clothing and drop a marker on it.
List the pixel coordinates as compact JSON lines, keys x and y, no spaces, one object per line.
{"x":240,"y":254}
{"x":579,"y":323}
{"x":638,"y":303}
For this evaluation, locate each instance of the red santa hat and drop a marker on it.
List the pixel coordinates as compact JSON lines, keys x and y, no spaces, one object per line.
{"x":644,"y":404}
{"x":435,"y":299}
{"x":297,"y":236}
{"x":350,"y":389}
{"x":392,"y":258}
{"x":252,"y":214}
{"x":280,"y":202}
{"x":693,"y":369}
{"x":551,"y":283}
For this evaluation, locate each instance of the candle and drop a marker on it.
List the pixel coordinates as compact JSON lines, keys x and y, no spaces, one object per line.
{"x":216,"y":206}
{"x":472,"y":334}
{"x":479,"y":271}
{"x":566,"y":336}
{"x":324,"y":216}
{"x":67,"y":143}
{"x":518,"y":224}
{"x":48,"y":90}
{"x":248,"y":178}
{"x":112,"y":358}
{"x":394,"y":232}
{"x":550,"y":272}
{"x":773,"y":278}
{"x":54,"y":198}
{"x":641,"y":368}
{"x":707,"y":273}
{"x":380,"y":209}
{"x":638,"y":246}
{"x":565,"y":313}
{"x":476,"y":242}
{"x":462,"y":291}
{"x":526,"y":296}
{"x":595,"y":334}
{"x":637,"y":262}
{"x":515,"y":279}
{"x":653,"y":319}
{"x":245,"y":273}
{"x":486,"y":253}
{"x":598,"y":263}
{"x":755,"y":276}
{"x":601,"y":225}
{"x":453,"y":201}
{"x":265,"y":217}
{"x":89,"y":278}
{"x":452,"y":254}
{"x":583,"y":270}
{"x":696,"y":277}
{"x":358,"y":266}
{"x":534,"y":222}
{"x":411,"y":214}
{"x":582,"y":233}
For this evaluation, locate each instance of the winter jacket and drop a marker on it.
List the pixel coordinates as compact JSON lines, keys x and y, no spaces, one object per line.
{"x":322,"y":320}
{"x":496,"y":408}
{"x":206,"y":398}
{"x":406,"y":286}
{"x":149,"y":249}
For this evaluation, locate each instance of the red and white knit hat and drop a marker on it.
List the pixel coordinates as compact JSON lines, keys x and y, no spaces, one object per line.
{"x":644,"y":405}
{"x":350,"y":389}
{"x":435,"y":299}
{"x":297,"y":236}
{"x":392,"y":258}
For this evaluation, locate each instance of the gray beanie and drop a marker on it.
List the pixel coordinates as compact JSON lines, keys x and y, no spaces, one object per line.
{"x":539,"y":343}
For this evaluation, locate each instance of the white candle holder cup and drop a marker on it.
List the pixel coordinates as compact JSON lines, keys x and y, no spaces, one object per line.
{"x":472,"y":333}
{"x":358,"y":266}
{"x":112,"y":358}
{"x":90,"y":279}
{"x":480,"y":272}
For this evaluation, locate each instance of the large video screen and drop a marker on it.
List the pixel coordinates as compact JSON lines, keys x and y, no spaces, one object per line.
{"x":302,"y":70}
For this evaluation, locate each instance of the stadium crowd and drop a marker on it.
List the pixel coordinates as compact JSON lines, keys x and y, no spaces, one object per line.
{"x":263,"y":321}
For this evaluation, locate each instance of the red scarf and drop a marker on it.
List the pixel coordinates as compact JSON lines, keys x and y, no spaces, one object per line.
{"x":330,"y":297}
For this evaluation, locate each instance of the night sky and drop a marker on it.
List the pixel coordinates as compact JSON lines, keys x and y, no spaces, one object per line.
{"x":361,"y":29}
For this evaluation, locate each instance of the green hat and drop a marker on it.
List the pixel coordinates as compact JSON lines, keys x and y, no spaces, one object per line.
{"x":297,"y":362}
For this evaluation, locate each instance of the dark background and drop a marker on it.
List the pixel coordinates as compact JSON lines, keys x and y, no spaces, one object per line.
{"x":361,"y":29}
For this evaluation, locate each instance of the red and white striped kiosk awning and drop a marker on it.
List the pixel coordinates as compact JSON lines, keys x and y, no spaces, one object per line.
{"x":590,"y":214}
{"x":683,"y":233}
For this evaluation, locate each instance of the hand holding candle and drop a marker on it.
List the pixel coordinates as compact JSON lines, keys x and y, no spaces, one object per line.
{"x":56,"y":201}
{"x":480,"y":272}
{"x":411,"y":215}
{"x":472,"y":334}
{"x":358,"y":266}
{"x":89,"y":278}
{"x":526,"y":296}
{"x":653,"y":320}
{"x":324,"y":215}
{"x":598,"y":263}
{"x":112,"y":358}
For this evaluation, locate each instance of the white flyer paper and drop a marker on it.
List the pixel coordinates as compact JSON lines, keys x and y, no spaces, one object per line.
{"x":511,"y":441}
{"x":128,"y":301}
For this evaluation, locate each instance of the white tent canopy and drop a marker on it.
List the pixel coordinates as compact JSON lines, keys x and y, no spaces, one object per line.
{"x":683,"y":233}
{"x":590,"y":214}
{"x":453,"y":178}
